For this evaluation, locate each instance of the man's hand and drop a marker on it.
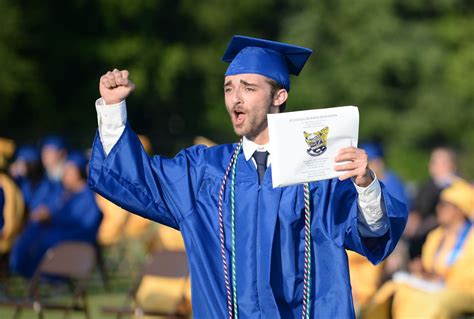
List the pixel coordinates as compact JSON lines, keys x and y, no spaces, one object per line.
{"x":358,"y":166}
{"x":114,"y":86}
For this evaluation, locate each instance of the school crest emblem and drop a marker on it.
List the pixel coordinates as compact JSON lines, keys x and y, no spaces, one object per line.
{"x":317,"y":141}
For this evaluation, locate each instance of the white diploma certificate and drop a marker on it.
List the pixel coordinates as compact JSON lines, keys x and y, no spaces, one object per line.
{"x":303,"y":144}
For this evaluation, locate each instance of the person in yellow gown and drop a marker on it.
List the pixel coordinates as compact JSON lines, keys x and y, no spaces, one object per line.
{"x":13,"y":208}
{"x":365,"y":279}
{"x":441,"y":285}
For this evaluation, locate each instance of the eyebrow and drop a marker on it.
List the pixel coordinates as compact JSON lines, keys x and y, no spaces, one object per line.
{"x":247,"y":83}
{"x":241,"y":81}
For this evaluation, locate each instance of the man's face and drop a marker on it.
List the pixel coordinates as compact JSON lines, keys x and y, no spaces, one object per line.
{"x":248,"y":99}
{"x":446,"y":213}
{"x":441,"y":164}
{"x":71,"y":176}
{"x":52,"y":156}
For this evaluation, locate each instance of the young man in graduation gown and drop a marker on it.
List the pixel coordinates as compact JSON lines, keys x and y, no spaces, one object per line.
{"x":246,"y":244}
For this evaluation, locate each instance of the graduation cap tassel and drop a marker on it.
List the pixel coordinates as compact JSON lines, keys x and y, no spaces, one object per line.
{"x":232,"y":165}
{"x":307,"y":255}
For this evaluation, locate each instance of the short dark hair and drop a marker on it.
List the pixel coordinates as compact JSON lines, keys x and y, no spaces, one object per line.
{"x":275,"y":87}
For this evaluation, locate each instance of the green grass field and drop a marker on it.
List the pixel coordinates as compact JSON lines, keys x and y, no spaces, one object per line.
{"x":96,"y":301}
{"x":98,"y":297}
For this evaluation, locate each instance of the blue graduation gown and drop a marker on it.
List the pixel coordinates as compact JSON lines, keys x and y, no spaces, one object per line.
{"x":395,"y":187}
{"x":183,"y":193}
{"x":74,"y":216}
{"x":45,"y":192}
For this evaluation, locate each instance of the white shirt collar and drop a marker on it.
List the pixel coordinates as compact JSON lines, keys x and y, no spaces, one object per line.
{"x":250,"y":147}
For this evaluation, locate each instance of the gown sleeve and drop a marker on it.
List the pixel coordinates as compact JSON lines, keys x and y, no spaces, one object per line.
{"x":376,"y":249}
{"x":157,"y":188}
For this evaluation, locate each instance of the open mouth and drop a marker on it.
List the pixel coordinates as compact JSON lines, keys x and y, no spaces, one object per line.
{"x":239,"y":117}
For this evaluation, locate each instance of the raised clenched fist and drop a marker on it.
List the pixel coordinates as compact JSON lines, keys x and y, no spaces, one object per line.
{"x":114,"y":86}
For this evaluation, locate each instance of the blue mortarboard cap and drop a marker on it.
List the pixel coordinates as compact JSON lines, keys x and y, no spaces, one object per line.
{"x":28,"y":153}
{"x":77,"y":158}
{"x":275,"y":60}
{"x":373,"y":150}
{"x":54,"y":141}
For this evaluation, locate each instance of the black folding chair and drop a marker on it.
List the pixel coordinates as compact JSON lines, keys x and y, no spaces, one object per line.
{"x":68,"y":262}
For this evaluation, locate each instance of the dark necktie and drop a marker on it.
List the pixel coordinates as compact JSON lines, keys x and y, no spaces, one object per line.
{"x":261,"y":160}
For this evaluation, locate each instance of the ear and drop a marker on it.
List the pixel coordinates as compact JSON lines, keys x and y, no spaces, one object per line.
{"x":305,"y":134}
{"x":280,"y":97}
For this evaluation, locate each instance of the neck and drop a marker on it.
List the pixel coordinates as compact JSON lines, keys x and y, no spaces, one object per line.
{"x":261,"y":138}
{"x":456,"y":225}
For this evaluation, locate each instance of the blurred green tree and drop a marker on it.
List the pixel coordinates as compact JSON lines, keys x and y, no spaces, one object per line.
{"x":407,"y":64}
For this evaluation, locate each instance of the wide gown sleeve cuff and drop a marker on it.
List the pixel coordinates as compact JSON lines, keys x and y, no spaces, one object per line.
{"x":111,"y":120}
{"x":372,"y":219}
{"x":369,"y":191}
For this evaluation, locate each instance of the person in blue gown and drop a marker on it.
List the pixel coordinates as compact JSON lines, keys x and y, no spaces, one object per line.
{"x":248,"y":259}
{"x":53,"y":156}
{"x":73,"y":215}
{"x":30,"y":176}
{"x":390,"y":179}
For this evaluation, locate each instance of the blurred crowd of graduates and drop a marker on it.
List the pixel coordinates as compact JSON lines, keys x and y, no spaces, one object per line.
{"x":45,"y":201}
